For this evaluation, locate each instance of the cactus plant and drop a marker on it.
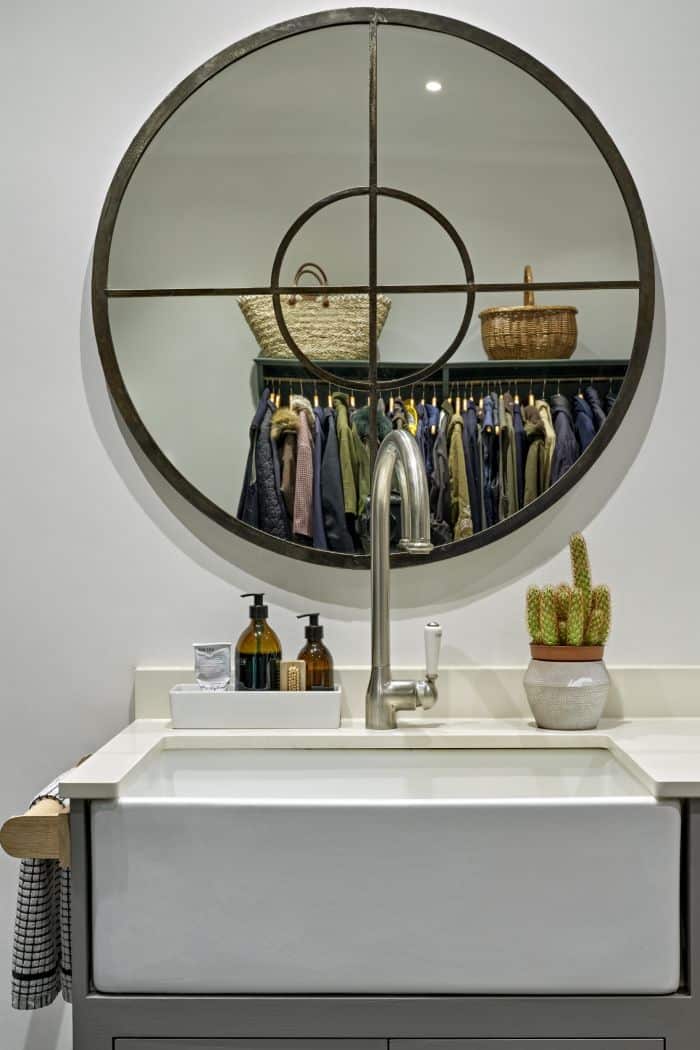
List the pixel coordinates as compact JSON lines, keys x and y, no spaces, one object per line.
{"x":563,"y":593}
{"x":576,"y":623}
{"x":566,"y":615}
{"x":601,"y":615}
{"x":581,"y":569}
{"x":549,"y":624}
{"x":595,"y":632}
{"x":533,"y":614}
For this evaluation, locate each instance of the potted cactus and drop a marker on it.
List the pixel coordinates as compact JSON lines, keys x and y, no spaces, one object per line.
{"x":566,"y":682}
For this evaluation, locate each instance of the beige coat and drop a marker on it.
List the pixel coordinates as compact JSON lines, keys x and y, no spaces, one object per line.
{"x":460,"y":508}
{"x":550,"y":439}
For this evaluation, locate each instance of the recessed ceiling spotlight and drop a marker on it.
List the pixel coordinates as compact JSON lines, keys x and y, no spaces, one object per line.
{"x":433,"y":86}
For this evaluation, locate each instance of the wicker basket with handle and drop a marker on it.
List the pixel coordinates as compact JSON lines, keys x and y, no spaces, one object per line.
{"x":324,"y":327}
{"x":529,"y":332}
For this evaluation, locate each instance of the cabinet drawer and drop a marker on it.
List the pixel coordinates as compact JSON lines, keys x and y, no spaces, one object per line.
{"x":256,"y":1044}
{"x":527,"y":1044}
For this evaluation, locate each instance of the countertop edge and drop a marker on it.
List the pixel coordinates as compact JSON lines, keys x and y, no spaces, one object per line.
{"x":663,"y":753}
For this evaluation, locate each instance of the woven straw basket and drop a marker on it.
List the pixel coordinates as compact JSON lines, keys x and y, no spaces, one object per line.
{"x":529,"y":332}
{"x":326,"y":328}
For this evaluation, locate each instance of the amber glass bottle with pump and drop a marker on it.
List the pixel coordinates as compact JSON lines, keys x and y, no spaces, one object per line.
{"x":258,"y":652}
{"x":318,"y":660}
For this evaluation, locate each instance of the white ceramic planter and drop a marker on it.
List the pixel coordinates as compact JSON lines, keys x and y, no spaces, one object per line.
{"x":567,"y":694}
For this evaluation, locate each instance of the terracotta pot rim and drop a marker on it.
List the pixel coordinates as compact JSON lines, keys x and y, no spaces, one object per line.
{"x":567,"y":654}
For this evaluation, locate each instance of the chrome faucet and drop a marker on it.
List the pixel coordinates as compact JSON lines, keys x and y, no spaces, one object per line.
{"x":398,"y":455}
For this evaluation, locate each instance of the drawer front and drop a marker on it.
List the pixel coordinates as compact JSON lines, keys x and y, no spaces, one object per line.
{"x":527,"y":1044}
{"x":253,"y":1044}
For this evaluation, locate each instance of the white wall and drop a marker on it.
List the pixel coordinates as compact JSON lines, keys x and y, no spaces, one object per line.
{"x":102,"y":575}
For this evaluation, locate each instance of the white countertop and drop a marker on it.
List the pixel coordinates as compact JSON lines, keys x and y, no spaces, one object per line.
{"x":663,"y":753}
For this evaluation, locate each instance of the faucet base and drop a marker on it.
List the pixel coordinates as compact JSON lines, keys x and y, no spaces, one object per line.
{"x":379,"y":712}
{"x":385,"y":696}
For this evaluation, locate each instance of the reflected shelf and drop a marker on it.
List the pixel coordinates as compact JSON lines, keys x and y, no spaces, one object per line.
{"x":289,"y":371}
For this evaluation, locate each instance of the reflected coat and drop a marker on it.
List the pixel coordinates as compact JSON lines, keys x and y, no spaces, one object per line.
{"x":460,"y":509}
{"x":474,"y":461}
{"x":248,"y":504}
{"x":285,"y":424}
{"x":319,"y":531}
{"x":566,"y":450}
{"x":584,"y":424}
{"x":338,"y":536}
{"x":535,"y":464}
{"x":593,"y":399}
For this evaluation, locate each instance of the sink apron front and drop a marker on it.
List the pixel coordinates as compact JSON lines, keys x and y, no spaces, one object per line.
{"x":385,"y":872}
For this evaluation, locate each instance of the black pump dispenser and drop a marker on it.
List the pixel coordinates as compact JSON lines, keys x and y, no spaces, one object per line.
{"x":313,"y":630}
{"x":259,"y":610}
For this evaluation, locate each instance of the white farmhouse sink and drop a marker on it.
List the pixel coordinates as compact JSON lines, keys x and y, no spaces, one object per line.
{"x":385,"y":872}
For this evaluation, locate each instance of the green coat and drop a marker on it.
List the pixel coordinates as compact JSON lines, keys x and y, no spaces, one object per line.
{"x":347,"y":450}
{"x":536,"y":462}
{"x":364,"y":481}
{"x":360,"y":437}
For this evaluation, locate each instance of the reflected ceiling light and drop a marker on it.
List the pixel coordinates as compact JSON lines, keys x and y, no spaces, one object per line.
{"x":434,"y":86}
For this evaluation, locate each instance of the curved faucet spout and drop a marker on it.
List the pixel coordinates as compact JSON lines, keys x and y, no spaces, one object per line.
{"x":398,"y":456}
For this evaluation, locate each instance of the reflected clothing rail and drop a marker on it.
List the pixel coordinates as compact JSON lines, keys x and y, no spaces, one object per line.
{"x":487,"y":453}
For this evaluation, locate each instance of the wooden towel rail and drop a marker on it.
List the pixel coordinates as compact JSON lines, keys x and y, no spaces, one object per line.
{"x":42,"y":833}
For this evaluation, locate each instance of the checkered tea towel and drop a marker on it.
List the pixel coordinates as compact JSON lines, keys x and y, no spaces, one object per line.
{"x":41,"y":951}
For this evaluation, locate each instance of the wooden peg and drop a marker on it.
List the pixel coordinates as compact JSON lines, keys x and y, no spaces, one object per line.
{"x":42,"y":833}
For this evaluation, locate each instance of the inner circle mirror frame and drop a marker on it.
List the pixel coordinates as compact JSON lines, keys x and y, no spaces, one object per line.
{"x":373,"y":385}
{"x":371,"y":17}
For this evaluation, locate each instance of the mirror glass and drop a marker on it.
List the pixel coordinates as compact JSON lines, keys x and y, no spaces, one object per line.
{"x":499,"y":164}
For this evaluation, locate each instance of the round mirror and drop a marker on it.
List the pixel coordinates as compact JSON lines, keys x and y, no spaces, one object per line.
{"x":364,"y":220}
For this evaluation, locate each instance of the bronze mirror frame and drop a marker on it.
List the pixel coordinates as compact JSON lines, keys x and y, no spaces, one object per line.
{"x":372,"y":17}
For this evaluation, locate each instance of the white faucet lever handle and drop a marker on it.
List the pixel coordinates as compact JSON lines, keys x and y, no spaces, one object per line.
{"x":433,"y":638}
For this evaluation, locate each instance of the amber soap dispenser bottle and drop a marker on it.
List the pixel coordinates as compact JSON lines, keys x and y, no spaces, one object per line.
{"x":258,"y":652}
{"x":318,"y":660}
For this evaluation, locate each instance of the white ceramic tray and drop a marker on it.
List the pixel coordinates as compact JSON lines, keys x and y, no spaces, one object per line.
{"x":194,"y":708}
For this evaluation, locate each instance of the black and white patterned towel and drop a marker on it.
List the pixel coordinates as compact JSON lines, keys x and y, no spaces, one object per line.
{"x":41,"y":951}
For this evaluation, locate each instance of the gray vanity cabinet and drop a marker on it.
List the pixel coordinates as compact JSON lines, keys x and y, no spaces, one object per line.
{"x":526,"y":1044}
{"x":394,"y":1044}
{"x":271,"y":1044}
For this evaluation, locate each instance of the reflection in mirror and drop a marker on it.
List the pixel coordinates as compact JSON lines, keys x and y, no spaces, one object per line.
{"x":502,"y":158}
{"x":188,"y":366}
{"x":284,"y":451}
{"x":244,"y":155}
